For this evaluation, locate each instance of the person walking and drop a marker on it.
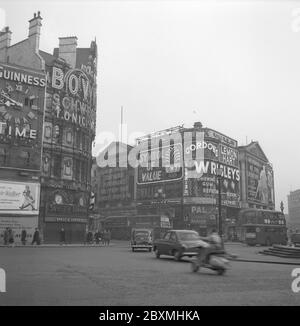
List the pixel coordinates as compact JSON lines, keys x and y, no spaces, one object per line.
{"x":62,"y":234}
{"x":5,"y":236}
{"x":97,"y":237}
{"x":11,"y":239}
{"x":108,"y":237}
{"x":36,"y":237}
{"x":23,"y":237}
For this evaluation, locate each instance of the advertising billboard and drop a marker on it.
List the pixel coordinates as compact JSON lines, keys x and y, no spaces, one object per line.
{"x":260,"y":182}
{"x":201,"y":177}
{"x":22,"y":95}
{"x":19,"y":198}
{"x":152,"y":170}
{"x":17,"y":224}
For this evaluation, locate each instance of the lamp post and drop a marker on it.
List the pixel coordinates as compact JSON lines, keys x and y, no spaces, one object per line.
{"x":220,"y":227}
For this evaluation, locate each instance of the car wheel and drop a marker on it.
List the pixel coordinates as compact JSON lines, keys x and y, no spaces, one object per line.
{"x":194,"y":267}
{"x":177,"y":255}
{"x":221,"y":271}
{"x":157,"y":253}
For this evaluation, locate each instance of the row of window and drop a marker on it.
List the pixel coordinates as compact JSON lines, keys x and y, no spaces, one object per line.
{"x":59,"y":166}
{"x":67,"y":136}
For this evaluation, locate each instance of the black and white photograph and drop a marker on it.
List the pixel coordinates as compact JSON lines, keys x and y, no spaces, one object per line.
{"x":149,"y":156}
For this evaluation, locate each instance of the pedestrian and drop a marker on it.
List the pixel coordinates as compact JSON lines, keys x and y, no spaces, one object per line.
{"x":102,"y":236}
{"x":23,"y":237}
{"x":97,"y":237}
{"x":11,"y":239}
{"x":5,"y":236}
{"x":108,"y":237}
{"x":62,"y":234}
{"x":36,"y":237}
{"x":289,"y":237}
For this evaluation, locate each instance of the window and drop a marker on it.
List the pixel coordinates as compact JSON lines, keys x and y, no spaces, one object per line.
{"x":173,"y":236}
{"x":25,"y":158}
{"x":57,"y":166}
{"x":3,"y":156}
{"x":167,"y":236}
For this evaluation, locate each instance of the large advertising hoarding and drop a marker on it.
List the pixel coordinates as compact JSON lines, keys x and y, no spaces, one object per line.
{"x":220,"y":152}
{"x":17,"y":224}
{"x":22,"y":95}
{"x":260,"y":182}
{"x":19,"y":198}
{"x":152,"y":170}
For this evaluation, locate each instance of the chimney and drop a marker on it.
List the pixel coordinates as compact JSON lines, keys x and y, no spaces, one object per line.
{"x":198,"y":125}
{"x":5,"y":37}
{"x":35,"y":30}
{"x":67,"y":49}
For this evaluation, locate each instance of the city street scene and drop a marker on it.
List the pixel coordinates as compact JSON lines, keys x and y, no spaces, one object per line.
{"x":148,"y":153}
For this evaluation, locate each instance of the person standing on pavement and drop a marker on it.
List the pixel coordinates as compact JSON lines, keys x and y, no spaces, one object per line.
{"x":23,"y":237}
{"x":62,"y":234}
{"x":5,"y":236}
{"x":11,"y":239}
{"x":36,"y":237}
{"x":108,"y":237}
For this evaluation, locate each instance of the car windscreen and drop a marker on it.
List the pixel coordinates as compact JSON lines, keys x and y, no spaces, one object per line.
{"x":188,"y":236}
{"x":141,"y":233}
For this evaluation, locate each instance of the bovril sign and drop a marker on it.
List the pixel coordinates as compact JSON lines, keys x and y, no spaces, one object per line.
{"x":74,"y":96}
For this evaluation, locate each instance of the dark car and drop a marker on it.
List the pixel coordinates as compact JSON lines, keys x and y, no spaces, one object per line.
{"x":141,"y":239}
{"x":178,"y":243}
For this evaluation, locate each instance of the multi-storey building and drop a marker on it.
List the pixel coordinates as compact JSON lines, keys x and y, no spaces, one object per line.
{"x":22,"y":95}
{"x":58,"y":89}
{"x":114,"y":189}
{"x":257,"y":178}
{"x":294,"y":209}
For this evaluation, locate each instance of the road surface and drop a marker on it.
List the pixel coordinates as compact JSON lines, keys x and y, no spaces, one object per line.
{"x":116,"y":276}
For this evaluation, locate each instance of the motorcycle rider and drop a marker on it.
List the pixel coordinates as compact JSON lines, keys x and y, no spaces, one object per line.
{"x":214,"y":242}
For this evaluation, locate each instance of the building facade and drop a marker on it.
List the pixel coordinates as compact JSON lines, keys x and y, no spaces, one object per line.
{"x":69,"y":131}
{"x":257,"y":178}
{"x":294,"y":209}
{"x":48,"y":121}
{"x":22,"y":100}
{"x":114,"y":189}
{"x":190,"y":192}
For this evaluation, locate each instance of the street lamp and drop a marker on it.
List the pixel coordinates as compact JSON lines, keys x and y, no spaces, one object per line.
{"x":219,"y":176}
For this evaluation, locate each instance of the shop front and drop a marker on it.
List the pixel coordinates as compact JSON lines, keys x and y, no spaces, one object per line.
{"x":74,"y":227}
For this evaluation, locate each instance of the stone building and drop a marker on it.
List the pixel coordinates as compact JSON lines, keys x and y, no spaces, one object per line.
{"x":257,"y":178}
{"x":62,"y":93}
{"x":22,"y":98}
{"x":294,"y":209}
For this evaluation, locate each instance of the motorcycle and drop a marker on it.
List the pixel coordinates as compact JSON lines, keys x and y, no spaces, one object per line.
{"x":215,"y":261}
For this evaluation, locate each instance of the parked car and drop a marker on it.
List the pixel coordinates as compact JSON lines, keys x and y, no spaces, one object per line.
{"x":295,"y":238}
{"x":178,"y":243}
{"x":141,"y":239}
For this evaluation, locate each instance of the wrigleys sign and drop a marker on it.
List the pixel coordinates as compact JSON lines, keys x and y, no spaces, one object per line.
{"x":74,"y":96}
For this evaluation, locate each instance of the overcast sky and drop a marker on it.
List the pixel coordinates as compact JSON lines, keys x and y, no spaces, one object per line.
{"x":237,"y":64}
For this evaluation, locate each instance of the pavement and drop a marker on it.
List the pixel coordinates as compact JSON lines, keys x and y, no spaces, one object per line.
{"x":239,"y":251}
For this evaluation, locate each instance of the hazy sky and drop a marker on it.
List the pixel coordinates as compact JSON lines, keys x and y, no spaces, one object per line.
{"x":236,"y":63}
